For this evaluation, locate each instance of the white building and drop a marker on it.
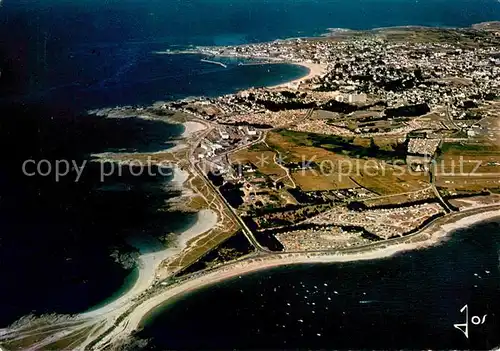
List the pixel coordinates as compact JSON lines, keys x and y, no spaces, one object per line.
{"x":357,"y":98}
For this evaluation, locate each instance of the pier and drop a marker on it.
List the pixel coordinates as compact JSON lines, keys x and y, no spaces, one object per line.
{"x":214,"y":62}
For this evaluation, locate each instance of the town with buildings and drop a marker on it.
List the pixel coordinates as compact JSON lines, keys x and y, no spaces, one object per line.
{"x":393,"y":135}
{"x":409,"y":100}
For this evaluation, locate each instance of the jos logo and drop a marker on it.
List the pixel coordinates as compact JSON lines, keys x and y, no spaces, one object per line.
{"x":475,"y":320}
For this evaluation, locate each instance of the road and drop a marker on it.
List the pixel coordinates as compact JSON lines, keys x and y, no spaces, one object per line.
{"x":450,"y":118}
{"x":195,"y":166}
{"x":246,"y":231}
{"x":436,"y":192}
{"x":115,"y":324}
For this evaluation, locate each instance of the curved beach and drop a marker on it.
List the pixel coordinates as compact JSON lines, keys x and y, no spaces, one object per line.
{"x":433,"y":234}
{"x":149,"y":262}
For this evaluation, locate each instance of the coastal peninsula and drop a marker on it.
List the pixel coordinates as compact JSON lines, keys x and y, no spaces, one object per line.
{"x":389,"y":144}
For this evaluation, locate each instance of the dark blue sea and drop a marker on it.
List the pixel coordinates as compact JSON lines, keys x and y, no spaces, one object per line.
{"x":58,"y":58}
{"x":410,"y":301}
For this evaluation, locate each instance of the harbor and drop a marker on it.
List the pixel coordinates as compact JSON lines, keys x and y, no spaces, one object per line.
{"x":214,"y":62}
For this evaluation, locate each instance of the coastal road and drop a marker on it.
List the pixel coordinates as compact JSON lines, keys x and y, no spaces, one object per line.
{"x":438,"y":195}
{"x":260,"y":139}
{"x":195,"y":166}
{"x":246,"y":231}
{"x":450,"y":119}
{"x":432,"y":176}
{"x":263,"y":135}
{"x":131,"y":321}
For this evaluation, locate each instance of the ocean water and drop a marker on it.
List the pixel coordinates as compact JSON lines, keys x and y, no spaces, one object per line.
{"x":143,"y":77}
{"x":59,"y":57}
{"x":92,"y":53}
{"x":57,"y":235}
{"x":410,"y":301}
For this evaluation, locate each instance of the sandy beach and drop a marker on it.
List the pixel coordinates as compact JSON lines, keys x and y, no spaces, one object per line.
{"x":192,"y":127}
{"x":435,"y":236}
{"x":153,"y":253}
{"x":315,"y":70}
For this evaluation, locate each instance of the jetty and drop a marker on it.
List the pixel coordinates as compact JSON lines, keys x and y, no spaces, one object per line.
{"x":214,"y":62}
{"x":260,"y":63}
